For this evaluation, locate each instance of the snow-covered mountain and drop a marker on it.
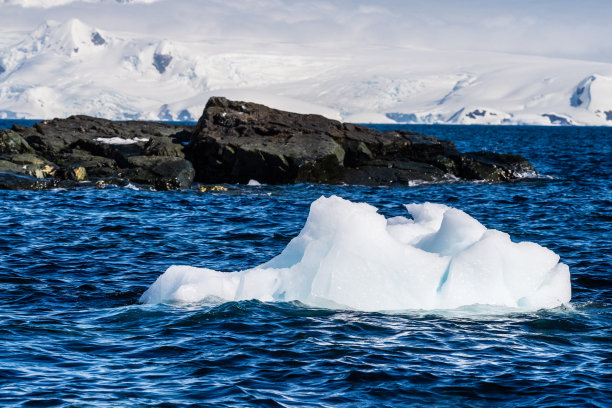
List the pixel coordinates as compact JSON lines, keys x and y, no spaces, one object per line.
{"x":92,"y":65}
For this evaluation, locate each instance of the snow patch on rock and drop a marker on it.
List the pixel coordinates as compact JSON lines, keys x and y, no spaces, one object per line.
{"x":120,"y":140}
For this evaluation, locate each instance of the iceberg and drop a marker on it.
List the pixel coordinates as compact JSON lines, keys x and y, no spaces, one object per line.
{"x":349,"y":256}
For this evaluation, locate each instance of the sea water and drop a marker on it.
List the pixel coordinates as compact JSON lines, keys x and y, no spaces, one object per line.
{"x":75,"y":263}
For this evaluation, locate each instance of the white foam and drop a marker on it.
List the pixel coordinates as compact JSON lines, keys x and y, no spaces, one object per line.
{"x":349,"y":256}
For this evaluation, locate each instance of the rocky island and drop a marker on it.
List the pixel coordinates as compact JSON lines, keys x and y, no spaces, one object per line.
{"x":234,"y":142}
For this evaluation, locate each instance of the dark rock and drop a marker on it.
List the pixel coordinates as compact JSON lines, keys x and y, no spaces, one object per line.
{"x":163,"y":146}
{"x":492,"y":167}
{"x":12,"y":142}
{"x":238,"y":141}
{"x":575,"y":100}
{"x":164,"y":173}
{"x":97,"y":39}
{"x":7,"y":166}
{"x":82,"y":148}
{"x":232,"y":143}
{"x":75,"y":173}
{"x":389,"y":173}
{"x":26,"y":158}
{"x":557,"y":119}
{"x":12,"y":181}
{"x":161,"y":62}
{"x":54,"y":136}
{"x":445,"y":163}
{"x":478,"y":112}
{"x":94,"y":165}
{"x":27,"y":164}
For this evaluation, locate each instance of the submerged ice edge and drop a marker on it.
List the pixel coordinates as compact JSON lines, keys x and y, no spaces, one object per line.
{"x":482,"y":312}
{"x":349,"y":256}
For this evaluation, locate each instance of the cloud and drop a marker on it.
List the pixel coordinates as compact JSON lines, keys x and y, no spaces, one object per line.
{"x":56,"y":3}
{"x":560,"y":28}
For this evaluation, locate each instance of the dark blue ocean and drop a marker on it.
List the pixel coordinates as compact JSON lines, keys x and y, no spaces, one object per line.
{"x":73,"y":264}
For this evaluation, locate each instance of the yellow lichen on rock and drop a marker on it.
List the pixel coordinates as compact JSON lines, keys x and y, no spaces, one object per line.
{"x":211,"y":189}
{"x":79,"y":173}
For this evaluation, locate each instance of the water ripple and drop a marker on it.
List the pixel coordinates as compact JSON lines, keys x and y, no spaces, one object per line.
{"x":74,"y":263}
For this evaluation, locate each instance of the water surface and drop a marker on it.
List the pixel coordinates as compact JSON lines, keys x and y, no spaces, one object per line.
{"x":73,"y":264}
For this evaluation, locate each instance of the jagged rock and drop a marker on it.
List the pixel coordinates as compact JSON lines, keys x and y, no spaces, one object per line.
{"x":95,"y":166}
{"x":12,"y":181}
{"x":75,"y":173}
{"x":238,"y":141}
{"x":164,"y":173}
{"x":33,"y":165}
{"x":492,"y":167}
{"x":12,"y":142}
{"x":163,"y":146}
{"x":26,"y":158}
{"x":27,"y":164}
{"x":82,"y":148}
{"x":100,"y":137}
{"x":381,"y":172}
{"x":235,"y":142}
{"x":10,"y":167}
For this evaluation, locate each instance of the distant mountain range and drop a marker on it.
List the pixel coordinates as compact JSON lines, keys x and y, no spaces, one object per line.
{"x":70,"y":67}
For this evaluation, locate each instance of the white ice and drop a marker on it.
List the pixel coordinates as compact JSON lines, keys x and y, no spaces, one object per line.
{"x":349,"y":256}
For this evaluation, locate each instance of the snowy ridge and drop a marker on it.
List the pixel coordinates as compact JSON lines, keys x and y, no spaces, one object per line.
{"x":72,"y":67}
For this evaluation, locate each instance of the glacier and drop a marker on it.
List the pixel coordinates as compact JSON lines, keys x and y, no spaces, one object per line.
{"x":343,"y":60}
{"x":348,"y":256}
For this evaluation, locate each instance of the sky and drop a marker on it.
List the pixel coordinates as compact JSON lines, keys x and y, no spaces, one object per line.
{"x":560,"y":28}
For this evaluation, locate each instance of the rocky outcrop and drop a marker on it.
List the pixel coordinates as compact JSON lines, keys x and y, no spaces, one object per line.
{"x":83,"y":149}
{"x":235,"y":142}
{"x":238,"y":141}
